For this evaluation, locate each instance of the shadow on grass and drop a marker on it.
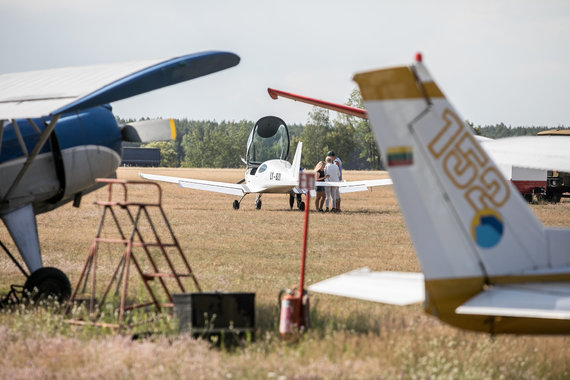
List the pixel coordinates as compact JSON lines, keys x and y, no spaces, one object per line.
{"x":347,"y":212}
{"x":371,"y":212}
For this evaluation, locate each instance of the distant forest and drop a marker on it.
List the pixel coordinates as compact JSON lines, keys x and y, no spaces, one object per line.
{"x":501,"y":130}
{"x":212,"y":144}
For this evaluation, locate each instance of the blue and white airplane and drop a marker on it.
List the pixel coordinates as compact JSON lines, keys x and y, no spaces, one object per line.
{"x":58,"y":134}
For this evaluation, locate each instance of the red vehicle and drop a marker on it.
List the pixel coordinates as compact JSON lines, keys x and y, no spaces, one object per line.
{"x":531,"y":183}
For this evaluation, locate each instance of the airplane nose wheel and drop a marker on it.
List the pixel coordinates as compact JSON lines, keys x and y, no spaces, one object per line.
{"x":236,"y":205}
{"x":46,"y":282}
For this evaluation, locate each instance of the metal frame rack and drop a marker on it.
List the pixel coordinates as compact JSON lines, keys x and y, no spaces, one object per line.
{"x":136,"y":252}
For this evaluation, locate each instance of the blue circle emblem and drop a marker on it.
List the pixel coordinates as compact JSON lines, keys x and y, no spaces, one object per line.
{"x":487,"y":228}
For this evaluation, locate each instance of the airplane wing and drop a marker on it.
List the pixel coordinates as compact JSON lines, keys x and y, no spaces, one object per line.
{"x":536,"y":152}
{"x":354,"y":186}
{"x":198,"y":184}
{"x":528,"y":300}
{"x":55,"y":91}
{"x":396,"y":288}
{"x":358,"y":112}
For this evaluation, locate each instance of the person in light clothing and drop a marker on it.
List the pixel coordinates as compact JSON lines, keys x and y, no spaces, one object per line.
{"x":332,"y":174}
{"x":338,"y":162}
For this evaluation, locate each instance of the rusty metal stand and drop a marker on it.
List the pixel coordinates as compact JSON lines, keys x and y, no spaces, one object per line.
{"x":136,"y":212}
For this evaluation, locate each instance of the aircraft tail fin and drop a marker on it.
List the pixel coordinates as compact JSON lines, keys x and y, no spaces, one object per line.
{"x":465,"y":219}
{"x":296,"y":165}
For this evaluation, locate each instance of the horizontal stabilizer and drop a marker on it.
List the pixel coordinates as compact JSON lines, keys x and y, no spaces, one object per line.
{"x":149,"y":130}
{"x":533,"y":300}
{"x":396,"y":288}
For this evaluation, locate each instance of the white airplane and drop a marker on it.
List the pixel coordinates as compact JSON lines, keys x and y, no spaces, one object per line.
{"x":488,"y":263}
{"x":69,"y":107}
{"x":267,"y":169}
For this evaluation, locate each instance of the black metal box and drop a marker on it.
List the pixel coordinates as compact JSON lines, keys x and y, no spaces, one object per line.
{"x":222,"y":318}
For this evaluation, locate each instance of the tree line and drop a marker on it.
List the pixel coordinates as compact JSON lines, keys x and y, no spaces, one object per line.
{"x":212,"y":144}
{"x":500,"y":130}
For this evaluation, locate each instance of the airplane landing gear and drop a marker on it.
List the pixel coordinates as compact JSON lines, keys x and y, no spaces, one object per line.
{"x":258,"y":202}
{"x":46,"y":282}
{"x":237,"y":203}
{"x":300,"y":203}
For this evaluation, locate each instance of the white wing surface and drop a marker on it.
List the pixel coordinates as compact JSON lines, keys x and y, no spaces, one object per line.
{"x":49,"y":92}
{"x":396,"y":288}
{"x":529,"y":300}
{"x":537,"y":152}
{"x":197,"y":184}
{"x":354,"y":186}
{"x":37,"y":93}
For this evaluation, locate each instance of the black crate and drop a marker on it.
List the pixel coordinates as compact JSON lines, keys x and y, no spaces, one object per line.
{"x":222,"y":318}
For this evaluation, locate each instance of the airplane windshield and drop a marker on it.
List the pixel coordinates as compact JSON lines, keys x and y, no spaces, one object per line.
{"x":268,"y":140}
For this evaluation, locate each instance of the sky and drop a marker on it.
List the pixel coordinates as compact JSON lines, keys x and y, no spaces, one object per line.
{"x":496,"y":61}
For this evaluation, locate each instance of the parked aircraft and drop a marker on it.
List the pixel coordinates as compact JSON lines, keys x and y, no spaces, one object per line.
{"x":524,"y":160}
{"x":69,"y":108}
{"x":488,"y":263}
{"x":267,"y":169}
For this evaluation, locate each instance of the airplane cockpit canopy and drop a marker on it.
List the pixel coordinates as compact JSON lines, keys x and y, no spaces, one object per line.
{"x":268,"y":140}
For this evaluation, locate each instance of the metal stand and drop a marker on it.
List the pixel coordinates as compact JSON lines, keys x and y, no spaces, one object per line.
{"x":137,"y":252}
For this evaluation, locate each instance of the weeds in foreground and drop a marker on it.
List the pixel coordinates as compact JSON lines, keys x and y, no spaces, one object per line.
{"x":37,"y":340}
{"x":258,"y":251}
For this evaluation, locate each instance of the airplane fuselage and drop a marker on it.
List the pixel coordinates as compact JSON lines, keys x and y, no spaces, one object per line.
{"x":87,"y":146}
{"x":273,"y":176}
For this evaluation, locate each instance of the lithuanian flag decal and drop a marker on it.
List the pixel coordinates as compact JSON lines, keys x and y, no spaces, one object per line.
{"x":400,"y":156}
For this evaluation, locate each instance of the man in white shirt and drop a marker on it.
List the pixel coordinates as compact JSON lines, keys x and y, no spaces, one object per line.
{"x":332,"y":174}
{"x":338,"y":162}
{"x":332,"y":155}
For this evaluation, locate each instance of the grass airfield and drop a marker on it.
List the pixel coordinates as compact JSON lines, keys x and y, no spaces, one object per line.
{"x":259,"y":251}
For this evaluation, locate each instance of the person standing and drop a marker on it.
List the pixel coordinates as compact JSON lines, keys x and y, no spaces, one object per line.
{"x":332,"y":155}
{"x":331,"y":175}
{"x":338,"y":162}
{"x":320,"y":190}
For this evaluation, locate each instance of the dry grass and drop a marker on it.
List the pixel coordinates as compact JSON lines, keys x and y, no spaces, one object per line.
{"x":259,"y":251}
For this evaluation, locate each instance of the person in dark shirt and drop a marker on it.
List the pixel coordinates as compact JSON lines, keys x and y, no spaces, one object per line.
{"x":320,"y":190}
